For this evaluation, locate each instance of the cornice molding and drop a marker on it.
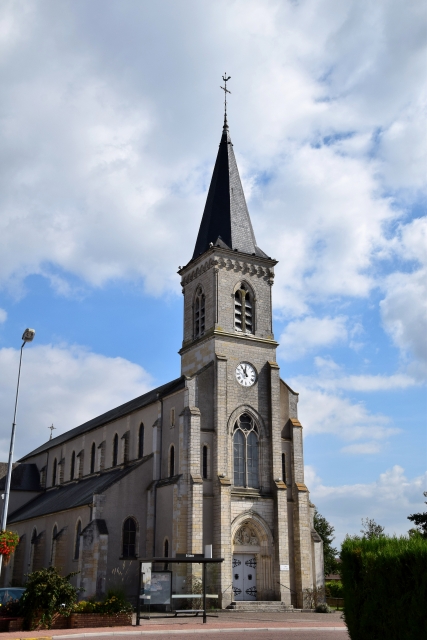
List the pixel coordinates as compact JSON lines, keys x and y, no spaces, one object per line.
{"x":231,"y":260}
{"x":218,"y":333}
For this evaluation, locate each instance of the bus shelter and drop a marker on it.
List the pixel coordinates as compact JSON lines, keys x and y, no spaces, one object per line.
{"x":168,"y":585}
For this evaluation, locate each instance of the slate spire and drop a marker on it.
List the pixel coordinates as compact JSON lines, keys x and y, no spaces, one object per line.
{"x":226,"y":218}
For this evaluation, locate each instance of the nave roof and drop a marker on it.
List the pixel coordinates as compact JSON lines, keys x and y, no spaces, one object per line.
{"x":73,"y":494}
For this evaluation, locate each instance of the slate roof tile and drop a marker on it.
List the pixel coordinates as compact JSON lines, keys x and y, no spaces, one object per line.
{"x":226,"y":214}
{"x":71,"y":495}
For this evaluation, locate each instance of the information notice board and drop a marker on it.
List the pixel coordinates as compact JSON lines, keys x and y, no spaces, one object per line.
{"x":161,"y":587}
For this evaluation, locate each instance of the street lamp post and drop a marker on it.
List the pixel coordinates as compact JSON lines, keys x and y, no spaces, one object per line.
{"x":27,"y":336}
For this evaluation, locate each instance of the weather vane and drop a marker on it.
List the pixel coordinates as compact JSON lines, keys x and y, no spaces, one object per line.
{"x":224,"y":88}
{"x":51,"y":430}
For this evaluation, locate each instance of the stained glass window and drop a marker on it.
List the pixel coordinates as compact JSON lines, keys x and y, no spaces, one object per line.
{"x":245,"y":451}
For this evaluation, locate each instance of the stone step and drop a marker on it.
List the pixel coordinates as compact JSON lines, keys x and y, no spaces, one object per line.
{"x":258,"y":605}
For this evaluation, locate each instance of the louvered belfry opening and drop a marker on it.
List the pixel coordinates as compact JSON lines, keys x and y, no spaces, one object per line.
{"x":199,"y":313}
{"x":243,"y":310}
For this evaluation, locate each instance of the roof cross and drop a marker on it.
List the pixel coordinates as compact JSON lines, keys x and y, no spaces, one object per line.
{"x":224,"y":88}
{"x":51,"y":430}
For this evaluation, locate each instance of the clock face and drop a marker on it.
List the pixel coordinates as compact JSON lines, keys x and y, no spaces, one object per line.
{"x":245,"y":374}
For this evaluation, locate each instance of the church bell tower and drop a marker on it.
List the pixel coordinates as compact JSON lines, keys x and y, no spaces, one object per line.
{"x":256,"y":510}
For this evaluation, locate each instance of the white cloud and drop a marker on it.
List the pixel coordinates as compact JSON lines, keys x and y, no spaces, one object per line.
{"x":323,"y":412}
{"x":65,"y":386}
{"x":362,"y":448}
{"x":388,"y":500}
{"x":404,"y":149}
{"x":310,"y":333}
{"x":331,"y":377}
{"x":108,"y":153}
{"x":404,"y":307}
{"x":3,"y":315}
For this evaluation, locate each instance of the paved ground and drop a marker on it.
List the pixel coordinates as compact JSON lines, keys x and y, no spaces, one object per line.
{"x":227,"y":626}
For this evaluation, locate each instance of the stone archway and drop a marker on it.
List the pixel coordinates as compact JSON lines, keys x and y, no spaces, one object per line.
{"x":252,"y":547}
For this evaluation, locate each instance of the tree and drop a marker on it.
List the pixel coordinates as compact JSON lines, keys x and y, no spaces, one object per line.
{"x":420,"y":520}
{"x":370,"y":529}
{"x":326,"y":531}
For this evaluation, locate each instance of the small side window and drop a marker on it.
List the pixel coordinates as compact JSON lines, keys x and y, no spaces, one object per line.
{"x":54,"y":472}
{"x":205,"y":462}
{"x":115,"y":450}
{"x":284,"y":468}
{"x":77,"y":540}
{"x":92,"y":458}
{"x":73,"y":465}
{"x":172,"y":461}
{"x":141,"y":441}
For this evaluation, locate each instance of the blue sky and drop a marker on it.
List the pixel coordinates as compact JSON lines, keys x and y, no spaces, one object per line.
{"x":110,"y":117}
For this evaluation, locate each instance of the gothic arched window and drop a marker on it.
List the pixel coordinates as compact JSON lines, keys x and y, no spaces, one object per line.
{"x":141,"y":440}
{"x":199,"y":313}
{"x":77,"y":540}
{"x":129,"y":538}
{"x":54,"y":472}
{"x":244,"y":310}
{"x":115,"y":450}
{"x":166,"y":549}
{"x":172,"y":461}
{"x":245,"y":449}
{"x":92,"y":458}
{"x":73,"y":465}
{"x":284,"y":468}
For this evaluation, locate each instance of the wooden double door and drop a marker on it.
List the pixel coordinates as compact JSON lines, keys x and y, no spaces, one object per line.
{"x":244,"y":576}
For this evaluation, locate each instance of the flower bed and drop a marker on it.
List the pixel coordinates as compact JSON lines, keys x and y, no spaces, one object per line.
{"x":82,"y":620}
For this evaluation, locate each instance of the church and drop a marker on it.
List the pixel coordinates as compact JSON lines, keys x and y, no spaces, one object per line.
{"x":214,"y":457}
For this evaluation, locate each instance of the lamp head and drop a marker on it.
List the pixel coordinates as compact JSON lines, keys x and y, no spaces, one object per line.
{"x":28,"y":335}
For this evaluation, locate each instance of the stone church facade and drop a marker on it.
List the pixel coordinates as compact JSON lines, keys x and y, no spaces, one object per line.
{"x":214,"y":457}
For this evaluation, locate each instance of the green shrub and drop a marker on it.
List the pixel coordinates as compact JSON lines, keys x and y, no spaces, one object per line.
{"x":385,"y":588}
{"x":111,"y":605}
{"x":334,"y":588}
{"x":47,"y":593}
{"x":323,"y":608}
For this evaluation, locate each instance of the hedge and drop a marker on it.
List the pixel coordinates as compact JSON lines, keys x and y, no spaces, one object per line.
{"x":385,"y":588}
{"x":334,"y":589}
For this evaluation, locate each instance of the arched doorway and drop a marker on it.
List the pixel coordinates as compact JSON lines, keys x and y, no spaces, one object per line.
{"x":252,"y":559}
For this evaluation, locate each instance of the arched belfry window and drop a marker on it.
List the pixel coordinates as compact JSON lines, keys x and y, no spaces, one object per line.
{"x":199,"y":313}
{"x":245,"y":450}
{"x":244,"y":310}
